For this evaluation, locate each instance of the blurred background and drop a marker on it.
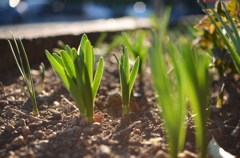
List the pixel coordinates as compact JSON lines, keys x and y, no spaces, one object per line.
{"x":32,"y":11}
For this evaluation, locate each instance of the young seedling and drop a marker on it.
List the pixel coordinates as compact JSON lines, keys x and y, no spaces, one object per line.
{"x":168,"y":93}
{"x":137,"y":47}
{"x":27,"y":77}
{"x":76,"y":70}
{"x":40,"y":85}
{"x":187,"y":84}
{"x":127,"y":78}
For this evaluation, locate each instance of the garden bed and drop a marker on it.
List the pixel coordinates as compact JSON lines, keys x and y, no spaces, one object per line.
{"x":59,"y":133}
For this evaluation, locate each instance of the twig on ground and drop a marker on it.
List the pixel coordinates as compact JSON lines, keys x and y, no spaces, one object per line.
{"x":11,"y":101}
{"x":65,"y":99}
{"x":29,"y":116}
{"x":127,"y":128}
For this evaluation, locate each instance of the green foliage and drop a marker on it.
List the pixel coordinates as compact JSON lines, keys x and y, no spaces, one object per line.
{"x":137,"y":43}
{"x":166,"y":97}
{"x":27,"y":77}
{"x":127,"y":78}
{"x":221,"y":34}
{"x":196,"y":82}
{"x":75,"y":69}
{"x":187,"y":83}
{"x":223,"y":18}
{"x":137,"y":47}
{"x":232,"y":42}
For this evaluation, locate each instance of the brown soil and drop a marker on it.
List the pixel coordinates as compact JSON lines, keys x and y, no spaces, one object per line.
{"x":58,"y":132}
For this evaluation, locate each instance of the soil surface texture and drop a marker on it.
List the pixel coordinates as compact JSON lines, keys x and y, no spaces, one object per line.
{"x":58,"y":131}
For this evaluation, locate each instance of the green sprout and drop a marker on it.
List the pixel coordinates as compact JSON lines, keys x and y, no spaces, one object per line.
{"x":172,"y":105}
{"x":193,"y":69}
{"x":137,"y":48}
{"x":39,"y":85}
{"x":127,"y":79}
{"x":27,"y":77}
{"x":186,"y":84}
{"x":75,"y":69}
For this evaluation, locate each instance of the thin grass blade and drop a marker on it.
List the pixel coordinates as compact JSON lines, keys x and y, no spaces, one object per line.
{"x":98,"y":76}
{"x":88,"y":60}
{"x":133,"y":74}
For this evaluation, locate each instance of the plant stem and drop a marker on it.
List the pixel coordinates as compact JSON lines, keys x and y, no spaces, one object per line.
{"x":125,"y":109}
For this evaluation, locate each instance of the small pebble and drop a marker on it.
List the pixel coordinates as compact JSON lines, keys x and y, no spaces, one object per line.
{"x":77,"y":128}
{"x":87,"y":129}
{"x":38,"y":134}
{"x":236,"y":132}
{"x":18,"y":141}
{"x":43,"y":141}
{"x":137,"y":131}
{"x":59,"y":124}
{"x":75,"y":121}
{"x":11,"y":98}
{"x":11,"y":153}
{"x":56,"y":103}
{"x":149,"y":128}
{"x":187,"y":154}
{"x":96,"y":125}
{"x":113,"y":142}
{"x":56,"y":115}
{"x":9,"y":113}
{"x":161,"y":154}
{"x":88,"y":142}
{"x":104,"y":150}
{"x":29,"y":153}
{"x":26,"y":131}
{"x":145,"y":124}
{"x":29,"y":137}
{"x":35,"y":124}
{"x":52,"y":136}
{"x":18,"y":130}
{"x":9,"y":128}
{"x":22,"y":122}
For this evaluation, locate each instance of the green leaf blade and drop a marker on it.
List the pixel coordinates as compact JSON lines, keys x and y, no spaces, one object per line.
{"x":59,"y":70}
{"x":58,"y":59}
{"x":69,"y":65}
{"x":133,"y":74}
{"x":88,"y":60}
{"x":98,"y":76}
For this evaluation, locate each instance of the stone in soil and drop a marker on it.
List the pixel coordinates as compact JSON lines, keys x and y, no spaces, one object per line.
{"x":9,"y":128}
{"x":38,"y":134}
{"x":104,"y":150}
{"x":18,"y":141}
{"x":22,"y":122}
{"x":26,"y":131}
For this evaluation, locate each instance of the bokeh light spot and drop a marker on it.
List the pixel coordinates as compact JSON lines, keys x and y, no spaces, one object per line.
{"x":139,"y":7}
{"x":13,"y":3}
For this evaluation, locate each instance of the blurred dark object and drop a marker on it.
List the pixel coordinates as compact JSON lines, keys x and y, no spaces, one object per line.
{"x":32,"y":11}
{"x":48,"y":10}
